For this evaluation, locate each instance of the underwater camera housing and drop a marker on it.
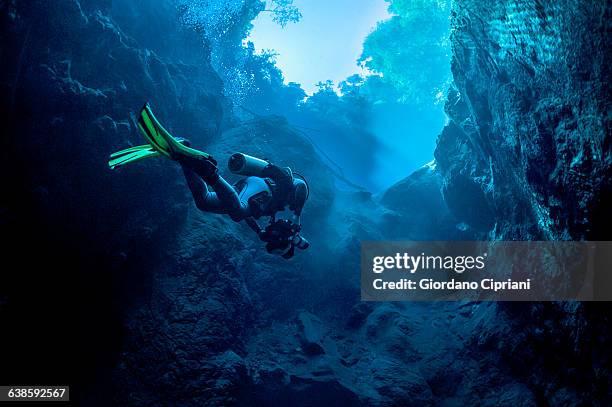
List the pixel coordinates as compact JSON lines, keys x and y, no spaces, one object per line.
{"x":244,"y":164}
{"x":282,"y":237}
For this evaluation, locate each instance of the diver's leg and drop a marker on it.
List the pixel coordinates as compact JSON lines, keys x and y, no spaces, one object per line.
{"x":223,"y":200}
{"x":204,"y":199}
{"x":228,"y":197}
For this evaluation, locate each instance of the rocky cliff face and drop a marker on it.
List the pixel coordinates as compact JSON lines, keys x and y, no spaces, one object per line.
{"x":72,"y":85}
{"x":527,"y":152}
{"x":527,"y":156}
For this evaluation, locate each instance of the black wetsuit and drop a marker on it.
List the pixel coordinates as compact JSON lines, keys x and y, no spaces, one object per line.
{"x":249,"y":199}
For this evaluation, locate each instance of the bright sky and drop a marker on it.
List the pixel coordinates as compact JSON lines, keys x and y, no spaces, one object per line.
{"x":324,"y":44}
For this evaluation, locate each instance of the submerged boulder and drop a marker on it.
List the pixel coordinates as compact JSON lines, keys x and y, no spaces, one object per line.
{"x":416,"y":210}
{"x":311,"y":333}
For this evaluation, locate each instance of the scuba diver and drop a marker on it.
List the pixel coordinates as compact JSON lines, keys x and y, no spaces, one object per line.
{"x":266,"y":190}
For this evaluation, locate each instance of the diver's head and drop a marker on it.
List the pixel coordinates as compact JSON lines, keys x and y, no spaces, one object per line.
{"x":298,"y":195}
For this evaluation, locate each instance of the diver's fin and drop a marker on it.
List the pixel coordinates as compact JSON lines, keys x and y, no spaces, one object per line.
{"x":131,"y":150}
{"x":161,"y":143}
{"x":161,"y":140}
{"x":130,"y":155}
{"x":150,"y":129}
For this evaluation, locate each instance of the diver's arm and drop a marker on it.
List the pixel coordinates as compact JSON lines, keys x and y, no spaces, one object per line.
{"x":296,"y":219}
{"x":275,"y":172}
{"x":283,"y":177}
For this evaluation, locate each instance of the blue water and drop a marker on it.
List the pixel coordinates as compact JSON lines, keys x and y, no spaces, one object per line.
{"x":376,"y":140}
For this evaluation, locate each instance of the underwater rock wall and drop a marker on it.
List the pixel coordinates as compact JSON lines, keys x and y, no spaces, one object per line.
{"x":73,"y":98}
{"x":527,"y":152}
{"x":526,"y":155}
{"x":84,"y":236}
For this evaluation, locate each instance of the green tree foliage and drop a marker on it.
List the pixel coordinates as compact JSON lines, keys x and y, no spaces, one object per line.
{"x":350,"y":109}
{"x":410,"y":50}
{"x":284,"y":12}
{"x":265,"y":92}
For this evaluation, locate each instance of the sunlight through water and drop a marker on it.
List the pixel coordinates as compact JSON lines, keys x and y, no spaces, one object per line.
{"x":324,"y":44}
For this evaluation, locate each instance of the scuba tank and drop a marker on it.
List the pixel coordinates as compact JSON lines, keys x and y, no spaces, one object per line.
{"x":243,"y":164}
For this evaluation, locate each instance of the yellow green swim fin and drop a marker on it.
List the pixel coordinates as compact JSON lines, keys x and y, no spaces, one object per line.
{"x":130,"y":155}
{"x":161,"y":143}
{"x":161,"y":140}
